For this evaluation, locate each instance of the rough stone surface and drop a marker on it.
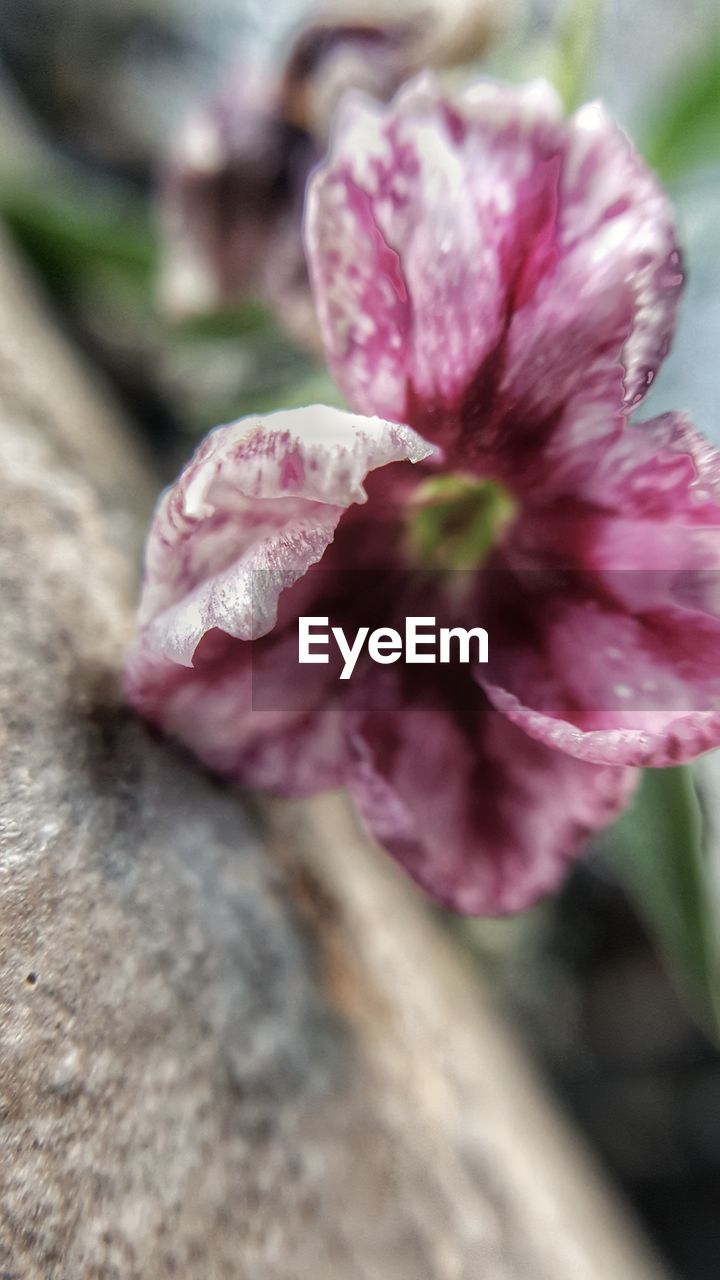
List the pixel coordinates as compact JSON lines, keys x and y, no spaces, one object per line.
{"x":231,"y":1045}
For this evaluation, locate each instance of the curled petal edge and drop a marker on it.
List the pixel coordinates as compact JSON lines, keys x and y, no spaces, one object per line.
{"x":255,"y":507}
{"x":664,"y":741}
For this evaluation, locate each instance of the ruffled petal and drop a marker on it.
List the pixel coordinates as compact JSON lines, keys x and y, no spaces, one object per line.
{"x":254,"y":508}
{"x":485,"y":819}
{"x":655,"y":739}
{"x":606,"y":621}
{"x":480,"y":265}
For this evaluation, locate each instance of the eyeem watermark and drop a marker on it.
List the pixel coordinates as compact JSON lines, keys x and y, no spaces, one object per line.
{"x":378,"y":667}
{"x":423,"y":642}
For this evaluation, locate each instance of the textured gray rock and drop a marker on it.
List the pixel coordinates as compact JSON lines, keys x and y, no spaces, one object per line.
{"x":231,"y":1046}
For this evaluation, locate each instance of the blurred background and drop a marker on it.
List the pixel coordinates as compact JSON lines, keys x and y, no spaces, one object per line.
{"x":153,"y":158}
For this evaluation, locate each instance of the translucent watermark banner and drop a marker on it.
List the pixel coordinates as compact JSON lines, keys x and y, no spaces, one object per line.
{"x":565,"y":642}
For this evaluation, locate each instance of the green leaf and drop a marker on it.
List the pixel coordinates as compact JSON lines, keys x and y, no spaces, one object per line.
{"x":251,"y":319}
{"x":72,"y":232}
{"x":685,"y":130}
{"x":659,"y":856}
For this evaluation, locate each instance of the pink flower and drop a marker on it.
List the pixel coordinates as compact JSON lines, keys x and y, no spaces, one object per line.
{"x":505,"y":283}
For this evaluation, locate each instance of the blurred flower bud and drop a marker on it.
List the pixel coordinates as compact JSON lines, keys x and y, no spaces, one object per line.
{"x":230,"y":203}
{"x":233,"y":188}
{"x":444,"y":33}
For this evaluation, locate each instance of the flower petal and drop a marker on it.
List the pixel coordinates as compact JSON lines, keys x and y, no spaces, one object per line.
{"x":477,"y":262}
{"x":211,"y":709}
{"x":254,"y":508}
{"x":616,"y":279}
{"x":654,"y":740}
{"x":408,"y":228}
{"x":485,"y":819}
{"x":616,"y":659}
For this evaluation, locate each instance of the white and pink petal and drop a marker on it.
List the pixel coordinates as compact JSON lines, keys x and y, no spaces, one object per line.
{"x":481,"y":266}
{"x":411,"y":229}
{"x":255,"y":507}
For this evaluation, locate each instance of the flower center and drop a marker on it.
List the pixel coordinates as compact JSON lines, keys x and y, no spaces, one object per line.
{"x":456,"y":520}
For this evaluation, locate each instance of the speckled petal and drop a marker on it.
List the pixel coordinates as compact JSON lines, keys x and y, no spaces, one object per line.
{"x":613,"y":288}
{"x":479,"y":263}
{"x":254,"y":508}
{"x":617,"y":658}
{"x":410,"y":231}
{"x":485,"y":819}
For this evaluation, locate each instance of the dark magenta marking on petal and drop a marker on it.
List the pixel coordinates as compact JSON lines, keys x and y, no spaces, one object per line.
{"x":292,"y":472}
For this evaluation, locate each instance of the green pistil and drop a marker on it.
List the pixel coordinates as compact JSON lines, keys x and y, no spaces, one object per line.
{"x":455,"y":521}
